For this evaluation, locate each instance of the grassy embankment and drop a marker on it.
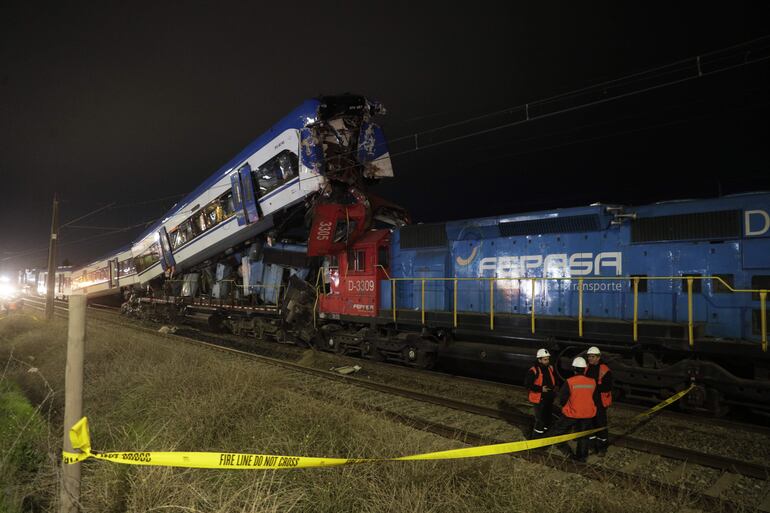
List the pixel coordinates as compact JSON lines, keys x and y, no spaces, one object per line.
{"x":145,"y":392}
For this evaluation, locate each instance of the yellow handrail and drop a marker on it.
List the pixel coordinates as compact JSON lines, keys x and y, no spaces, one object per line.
{"x":763,"y":322}
{"x":393,"y":292}
{"x":689,"y":310}
{"x":532,"y":300}
{"x":634,"y":279}
{"x":491,"y":304}
{"x":454,"y":306}
{"x":423,"y":302}
{"x":636,"y":308}
{"x":580,"y":307}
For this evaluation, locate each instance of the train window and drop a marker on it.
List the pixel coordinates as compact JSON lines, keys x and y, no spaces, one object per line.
{"x":212,"y":214}
{"x":148,"y":258}
{"x":759,"y":281}
{"x":276,"y":171}
{"x":287,"y":161}
{"x":126,"y":267}
{"x":717,"y":287}
{"x":226,"y":204}
{"x":382,"y":256}
{"x":187,"y":228}
{"x":356,"y":260}
{"x":696,"y":284}
{"x":642,"y":283}
{"x":269,"y":177}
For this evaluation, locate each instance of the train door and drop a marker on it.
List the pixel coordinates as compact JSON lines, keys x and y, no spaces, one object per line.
{"x":244,"y":200}
{"x":114,"y":273}
{"x":166,"y":255}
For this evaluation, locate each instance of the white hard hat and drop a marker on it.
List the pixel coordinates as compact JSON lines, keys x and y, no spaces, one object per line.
{"x":542,"y":353}
{"x":593,"y":350}
{"x":579,"y":362}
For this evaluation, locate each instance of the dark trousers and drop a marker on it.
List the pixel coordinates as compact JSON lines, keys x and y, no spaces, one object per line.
{"x":599,"y":440}
{"x":565,"y":425}
{"x":543,"y":415}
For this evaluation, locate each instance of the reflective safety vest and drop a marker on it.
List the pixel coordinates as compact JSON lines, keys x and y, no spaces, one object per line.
{"x":606,"y":397}
{"x":581,"y":398}
{"x":534,"y":397}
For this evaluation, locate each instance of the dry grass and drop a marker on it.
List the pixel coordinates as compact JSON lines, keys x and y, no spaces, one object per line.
{"x":144,"y":392}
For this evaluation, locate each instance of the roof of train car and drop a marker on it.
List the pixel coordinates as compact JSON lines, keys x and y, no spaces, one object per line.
{"x":734,"y":201}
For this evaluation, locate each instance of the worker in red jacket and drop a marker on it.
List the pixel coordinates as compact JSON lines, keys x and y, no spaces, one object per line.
{"x":541,"y":383}
{"x":578,"y":408}
{"x":603,"y":397}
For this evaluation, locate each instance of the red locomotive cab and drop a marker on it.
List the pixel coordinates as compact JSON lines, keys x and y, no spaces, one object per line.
{"x":352,"y":277}
{"x":334,"y":226}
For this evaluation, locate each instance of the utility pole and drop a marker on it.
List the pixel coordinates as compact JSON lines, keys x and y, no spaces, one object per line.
{"x":51,"y":280}
{"x":73,"y":399}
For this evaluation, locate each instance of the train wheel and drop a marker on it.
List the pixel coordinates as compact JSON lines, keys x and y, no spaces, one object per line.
{"x":334,"y":344}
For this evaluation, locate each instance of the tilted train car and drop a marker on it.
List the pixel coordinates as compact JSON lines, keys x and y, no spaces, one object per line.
{"x":673,"y":291}
{"x":323,"y":140}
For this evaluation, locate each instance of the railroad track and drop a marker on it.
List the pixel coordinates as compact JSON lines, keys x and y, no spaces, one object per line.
{"x":402,"y":403}
{"x":296,"y":353}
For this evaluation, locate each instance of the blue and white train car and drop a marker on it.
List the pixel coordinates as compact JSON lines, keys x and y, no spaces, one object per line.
{"x":279,"y":170}
{"x":106,"y":276}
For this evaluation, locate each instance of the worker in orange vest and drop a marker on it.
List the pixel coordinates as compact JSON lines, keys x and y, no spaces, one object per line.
{"x":603,"y":397}
{"x":541,"y":383}
{"x":578,"y":408}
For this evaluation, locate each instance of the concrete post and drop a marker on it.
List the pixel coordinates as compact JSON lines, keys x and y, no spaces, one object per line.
{"x":73,"y":399}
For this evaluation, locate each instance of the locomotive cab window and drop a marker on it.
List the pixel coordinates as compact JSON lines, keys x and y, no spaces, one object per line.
{"x":356,"y":260}
{"x":343,"y":229}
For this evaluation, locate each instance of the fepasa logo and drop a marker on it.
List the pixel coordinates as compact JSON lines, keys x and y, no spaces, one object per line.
{"x":556,"y":264}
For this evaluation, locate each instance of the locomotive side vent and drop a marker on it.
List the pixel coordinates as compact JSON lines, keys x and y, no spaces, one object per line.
{"x":571,"y":224}
{"x":703,"y":225}
{"x":423,"y":235}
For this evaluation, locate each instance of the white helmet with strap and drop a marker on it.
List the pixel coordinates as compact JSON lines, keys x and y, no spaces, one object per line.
{"x":579,"y":362}
{"x":543,"y":353}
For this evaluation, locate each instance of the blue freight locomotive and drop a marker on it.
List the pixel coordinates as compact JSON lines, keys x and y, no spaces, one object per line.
{"x":674,"y":291}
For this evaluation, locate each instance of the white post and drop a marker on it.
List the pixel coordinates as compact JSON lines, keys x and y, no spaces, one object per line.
{"x":73,"y":399}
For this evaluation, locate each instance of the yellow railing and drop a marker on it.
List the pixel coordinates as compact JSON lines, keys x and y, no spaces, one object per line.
{"x":634,"y":279}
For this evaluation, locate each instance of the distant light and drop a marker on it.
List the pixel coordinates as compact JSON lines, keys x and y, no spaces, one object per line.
{"x":5,"y":279}
{"x":7,"y":290}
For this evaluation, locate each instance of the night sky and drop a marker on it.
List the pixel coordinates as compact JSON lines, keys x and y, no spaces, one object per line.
{"x":137,"y":104}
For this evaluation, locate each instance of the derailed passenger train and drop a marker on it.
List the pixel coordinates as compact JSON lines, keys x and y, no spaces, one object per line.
{"x":284,"y":241}
{"x":325,"y":151}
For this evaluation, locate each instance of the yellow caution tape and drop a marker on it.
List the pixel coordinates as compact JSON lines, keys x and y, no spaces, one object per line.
{"x":81,"y":440}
